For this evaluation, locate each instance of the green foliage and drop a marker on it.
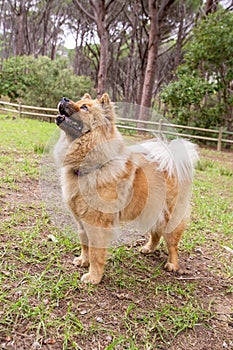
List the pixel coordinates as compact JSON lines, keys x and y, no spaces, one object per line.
{"x":14,"y":81}
{"x":188,"y":89}
{"x":211,"y":50}
{"x":200,"y":95}
{"x":41,"y":81}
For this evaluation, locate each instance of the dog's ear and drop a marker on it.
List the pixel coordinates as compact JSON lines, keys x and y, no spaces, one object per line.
{"x":86,"y":97}
{"x":104,"y":99}
{"x":107,"y":107}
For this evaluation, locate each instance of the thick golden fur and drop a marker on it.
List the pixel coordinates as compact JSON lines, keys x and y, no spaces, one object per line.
{"x":105,"y":183}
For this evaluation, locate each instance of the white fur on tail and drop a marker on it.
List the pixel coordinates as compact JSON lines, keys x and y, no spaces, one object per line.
{"x":178,"y":156}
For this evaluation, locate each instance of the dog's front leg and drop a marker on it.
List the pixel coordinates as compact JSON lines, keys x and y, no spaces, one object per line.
{"x":99,"y":240}
{"x":97,"y":260}
{"x":83,"y":259}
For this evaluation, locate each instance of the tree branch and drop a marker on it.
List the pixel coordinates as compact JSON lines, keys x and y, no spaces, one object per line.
{"x":112,"y":18}
{"x":162,"y":10}
{"x":80,"y":6}
{"x":109,"y":4}
{"x":93,"y":4}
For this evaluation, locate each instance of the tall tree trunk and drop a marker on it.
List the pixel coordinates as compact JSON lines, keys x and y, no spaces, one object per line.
{"x":141,"y":79}
{"x":140,"y":87}
{"x":211,"y":6}
{"x":103,"y":62}
{"x":53,"y":51}
{"x":154,"y":39}
{"x":129,"y":70}
{"x":157,"y":12}
{"x":102,"y":13}
{"x":19,"y":36}
{"x":100,"y":17}
{"x":180,"y":34}
{"x":78,"y":50}
{"x":130,"y":66}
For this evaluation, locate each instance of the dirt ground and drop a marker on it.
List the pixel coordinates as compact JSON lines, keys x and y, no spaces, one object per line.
{"x":213,"y":289}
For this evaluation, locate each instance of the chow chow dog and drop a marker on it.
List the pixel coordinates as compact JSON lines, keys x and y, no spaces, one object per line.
{"x":106,"y":183}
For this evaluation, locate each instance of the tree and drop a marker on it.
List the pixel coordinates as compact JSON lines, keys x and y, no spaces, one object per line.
{"x":208,"y":63}
{"x":32,"y":27}
{"x":128,"y":47}
{"x":157,"y":11}
{"x":102,"y":13}
{"x":19,"y":28}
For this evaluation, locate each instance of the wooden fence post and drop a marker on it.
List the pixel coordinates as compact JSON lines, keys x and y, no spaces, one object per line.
{"x":160,"y":125}
{"x":20,"y":110}
{"x":219,"y":144}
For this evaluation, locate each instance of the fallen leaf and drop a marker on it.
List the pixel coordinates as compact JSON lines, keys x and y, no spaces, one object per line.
{"x":5,"y":273}
{"x":36,"y":345}
{"x":49,"y":341}
{"x":99,"y":319}
{"x":52,"y":238}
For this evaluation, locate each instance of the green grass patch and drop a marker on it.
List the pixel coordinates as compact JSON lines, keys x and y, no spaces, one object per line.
{"x":138,"y":305}
{"x":24,"y":135}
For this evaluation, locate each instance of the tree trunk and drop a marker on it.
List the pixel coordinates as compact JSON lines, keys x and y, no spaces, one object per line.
{"x":157,"y":12}
{"x":78,"y":50}
{"x":100,"y":17}
{"x":53,"y":51}
{"x":140,"y":87}
{"x":130,"y":66}
{"x":19,"y":36}
{"x":129,"y":70}
{"x":142,"y":75}
{"x":180,"y":35}
{"x":211,"y":6}
{"x":103,"y":63}
{"x":154,"y":38}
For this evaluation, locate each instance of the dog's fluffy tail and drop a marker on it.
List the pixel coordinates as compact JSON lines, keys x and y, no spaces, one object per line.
{"x":178,"y":156}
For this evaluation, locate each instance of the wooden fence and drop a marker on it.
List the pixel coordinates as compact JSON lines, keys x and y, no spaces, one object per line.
{"x":219,"y":136}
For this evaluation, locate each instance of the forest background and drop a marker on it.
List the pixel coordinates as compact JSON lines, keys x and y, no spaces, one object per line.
{"x":173,"y":55}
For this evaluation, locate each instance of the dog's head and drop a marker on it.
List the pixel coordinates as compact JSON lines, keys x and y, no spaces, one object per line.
{"x":79,"y":118}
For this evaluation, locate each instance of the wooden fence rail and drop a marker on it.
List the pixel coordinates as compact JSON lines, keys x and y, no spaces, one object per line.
{"x":49,"y":114}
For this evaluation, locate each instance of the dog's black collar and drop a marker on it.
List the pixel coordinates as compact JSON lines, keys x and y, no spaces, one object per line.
{"x":78,"y":173}
{"x":73,"y":138}
{"x":87,"y":171}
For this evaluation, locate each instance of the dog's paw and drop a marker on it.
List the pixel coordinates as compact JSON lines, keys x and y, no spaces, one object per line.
{"x":80,"y":261}
{"x":171,"y":267}
{"x":88,"y":278}
{"x":147,"y":249}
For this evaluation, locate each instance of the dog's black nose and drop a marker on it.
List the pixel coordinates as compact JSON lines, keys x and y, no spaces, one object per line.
{"x":65,"y":100}
{"x":59,"y":119}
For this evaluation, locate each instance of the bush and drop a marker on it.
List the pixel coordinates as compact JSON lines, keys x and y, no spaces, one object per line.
{"x":41,"y":81}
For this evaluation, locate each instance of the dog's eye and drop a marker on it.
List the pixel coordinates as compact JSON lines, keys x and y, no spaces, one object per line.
{"x":84,"y":107}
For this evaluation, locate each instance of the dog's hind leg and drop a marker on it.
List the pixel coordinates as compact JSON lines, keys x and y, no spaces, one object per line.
{"x":153,"y":242}
{"x":172,"y":239}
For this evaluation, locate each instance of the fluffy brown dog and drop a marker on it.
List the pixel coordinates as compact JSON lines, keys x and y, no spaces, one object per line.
{"x":104,"y":183}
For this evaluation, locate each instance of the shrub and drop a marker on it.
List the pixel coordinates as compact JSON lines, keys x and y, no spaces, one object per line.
{"x":41,"y":81}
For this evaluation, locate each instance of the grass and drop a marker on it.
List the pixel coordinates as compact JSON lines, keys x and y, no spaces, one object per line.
{"x":138,"y":305}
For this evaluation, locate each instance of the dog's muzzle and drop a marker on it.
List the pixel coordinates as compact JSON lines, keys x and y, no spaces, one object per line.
{"x":63,"y":106}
